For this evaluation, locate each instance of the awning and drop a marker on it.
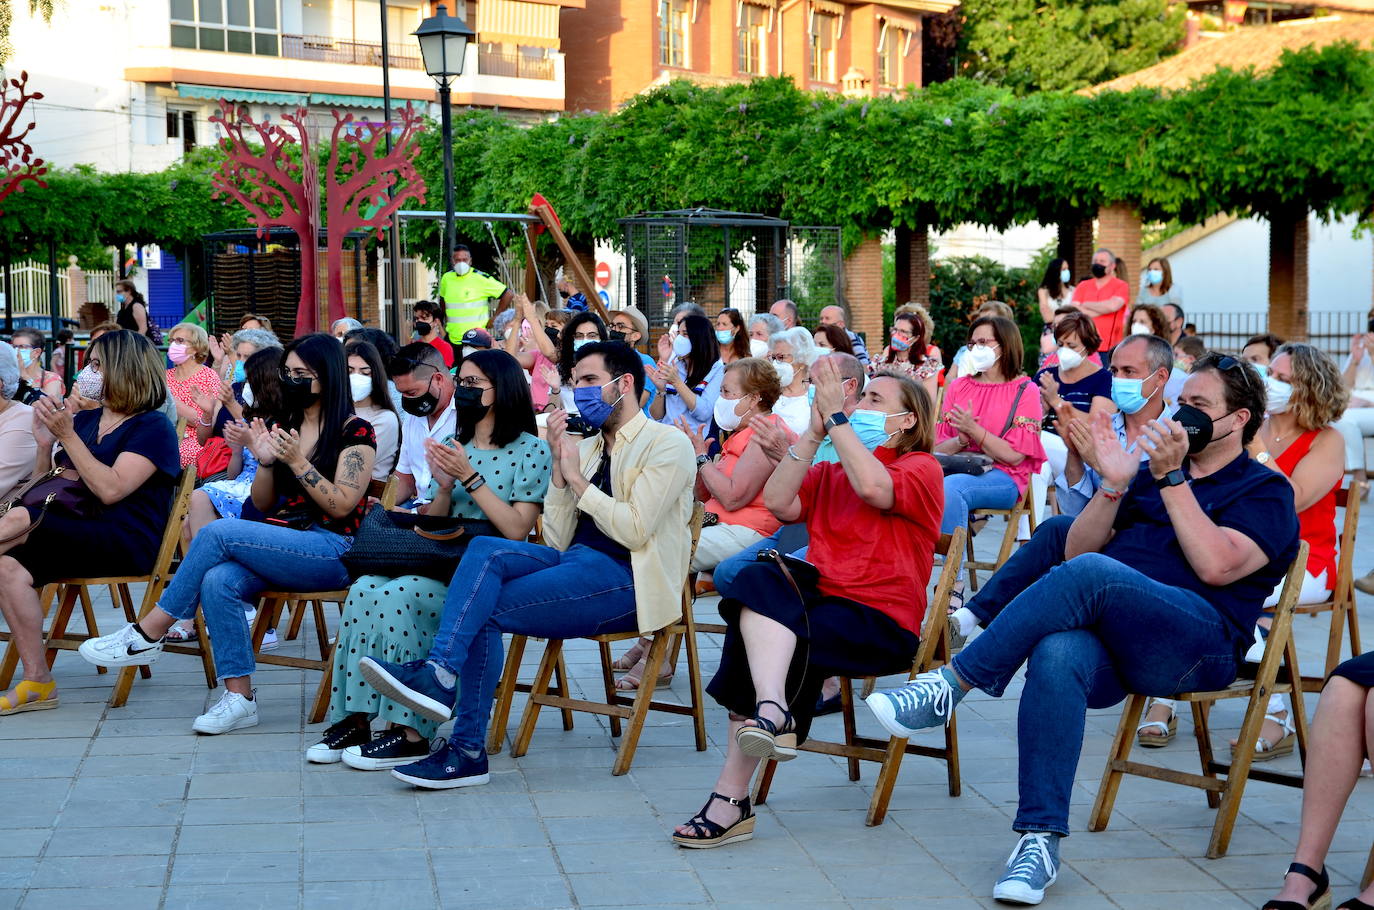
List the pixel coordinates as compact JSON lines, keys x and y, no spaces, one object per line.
{"x":352,"y":100}
{"x":905,"y":23}
{"x":216,"y":92}
{"x":517,"y":22}
{"x":827,"y":6}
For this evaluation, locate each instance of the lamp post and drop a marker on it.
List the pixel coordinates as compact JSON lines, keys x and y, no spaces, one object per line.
{"x":443,"y":45}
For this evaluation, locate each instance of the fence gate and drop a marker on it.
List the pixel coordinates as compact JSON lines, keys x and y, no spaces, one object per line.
{"x":815,"y":270}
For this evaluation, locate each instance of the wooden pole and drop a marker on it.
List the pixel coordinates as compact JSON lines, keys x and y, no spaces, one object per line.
{"x":584,"y":281}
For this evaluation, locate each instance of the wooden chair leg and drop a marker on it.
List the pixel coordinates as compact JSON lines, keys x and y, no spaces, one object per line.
{"x":956,"y":785}
{"x":764,"y":782}
{"x":207,"y":654}
{"x":850,"y":726}
{"x":608,"y":682}
{"x":297,"y":608}
{"x":887,"y":779}
{"x":505,"y":694}
{"x":653,"y":666}
{"x":321,"y":627}
{"x":88,"y":611}
{"x":1299,"y":707}
{"x":1202,"y":732}
{"x":1120,"y":751}
{"x":1368,"y":870}
{"x":1239,"y":773}
{"x":560,"y":685}
{"x":969,"y":561}
{"x":1353,"y":619}
{"x":320,"y":708}
{"x":58,"y":629}
{"x":540,"y":686}
{"x":697,"y":690}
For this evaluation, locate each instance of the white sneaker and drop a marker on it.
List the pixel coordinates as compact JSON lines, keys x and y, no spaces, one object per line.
{"x":269,"y":640}
{"x":125,"y":648}
{"x":231,"y":712}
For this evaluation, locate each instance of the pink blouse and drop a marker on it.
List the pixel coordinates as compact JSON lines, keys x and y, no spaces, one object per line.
{"x":990,"y":402}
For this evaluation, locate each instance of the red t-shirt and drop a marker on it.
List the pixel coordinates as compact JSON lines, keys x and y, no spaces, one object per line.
{"x":444,"y":348}
{"x":1110,"y":326}
{"x":882,"y":559}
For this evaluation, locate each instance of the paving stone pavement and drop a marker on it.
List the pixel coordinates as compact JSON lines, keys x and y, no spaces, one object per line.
{"x":123,"y":808}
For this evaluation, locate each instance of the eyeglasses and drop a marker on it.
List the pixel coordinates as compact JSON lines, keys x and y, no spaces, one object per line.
{"x":623,"y":327}
{"x":472,"y":382}
{"x":780,"y":358}
{"x":982,"y":343}
{"x":298,"y":374}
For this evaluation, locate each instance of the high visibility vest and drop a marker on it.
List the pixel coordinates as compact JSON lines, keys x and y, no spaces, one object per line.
{"x":465,"y":300}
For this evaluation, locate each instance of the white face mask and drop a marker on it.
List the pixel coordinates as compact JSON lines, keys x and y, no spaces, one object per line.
{"x":1277,"y":394}
{"x":822,"y":350}
{"x":758,"y":348}
{"x":785,"y":372}
{"x":726,"y":413}
{"x":1140,"y":328}
{"x":682,"y":346}
{"x":361,"y":385}
{"x":981,"y":358}
{"x":462,"y":268}
{"x":1069,"y":358}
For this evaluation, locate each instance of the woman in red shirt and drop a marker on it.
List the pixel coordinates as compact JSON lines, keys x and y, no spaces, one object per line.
{"x":863,"y":615}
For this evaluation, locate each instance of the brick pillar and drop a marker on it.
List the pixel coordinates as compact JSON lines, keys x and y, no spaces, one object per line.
{"x":1076,"y":243}
{"x":1288,"y":274}
{"x":863,"y":272}
{"x":1118,"y":229}
{"x":76,"y":288}
{"x":913,"y":265}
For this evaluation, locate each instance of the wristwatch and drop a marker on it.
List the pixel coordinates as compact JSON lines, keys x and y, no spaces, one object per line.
{"x":835,"y":420}
{"x":1172,"y":479}
{"x":1263,"y":457}
{"x":701,"y":460}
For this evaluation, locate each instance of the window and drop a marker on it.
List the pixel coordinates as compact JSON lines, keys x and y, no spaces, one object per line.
{"x":182,"y":125}
{"x":888,"y":56}
{"x":753,"y":22}
{"x":823,"y":30}
{"x":672,"y":33}
{"x":236,"y":26}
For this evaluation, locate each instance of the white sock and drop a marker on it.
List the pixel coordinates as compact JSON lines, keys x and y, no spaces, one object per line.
{"x":445,"y":676}
{"x":966,"y":619}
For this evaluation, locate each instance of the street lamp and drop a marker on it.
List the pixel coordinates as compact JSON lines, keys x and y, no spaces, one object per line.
{"x":443,"y":45}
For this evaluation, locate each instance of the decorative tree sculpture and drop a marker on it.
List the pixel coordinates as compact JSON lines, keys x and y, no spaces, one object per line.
{"x":277,"y":183}
{"x":365,"y":186}
{"x":17,"y":164}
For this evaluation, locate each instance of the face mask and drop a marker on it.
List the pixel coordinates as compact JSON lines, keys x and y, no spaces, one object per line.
{"x":900,"y":344}
{"x":758,"y":348}
{"x":785,"y":372}
{"x":822,"y":350}
{"x":1099,"y":270}
{"x":1199,"y":427}
{"x":1064,"y":276}
{"x":90,"y":383}
{"x":360,"y":385}
{"x":178,"y":352}
{"x":25,"y":355}
{"x":1140,"y":328}
{"x":423,"y":328}
{"x":724,"y":336}
{"x":1155,"y":276}
{"x":580,"y":343}
{"x":981,"y":358}
{"x":1277,"y":393}
{"x":617,"y":336}
{"x":871,"y":427}
{"x":552,"y":333}
{"x":682,"y":346}
{"x":247,"y":395}
{"x":462,"y":268}
{"x":297,"y":394}
{"x":420,"y":405}
{"x":1070,"y":359}
{"x":1127,"y":394}
{"x":726,"y":415}
{"x":468,"y":403}
{"x":593,"y":408}
{"x":239,"y":374}
{"x":119,"y":298}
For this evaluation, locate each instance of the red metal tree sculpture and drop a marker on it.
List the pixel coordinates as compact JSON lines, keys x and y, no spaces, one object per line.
{"x":278,"y":183}
{"x":17,"y":163}
{"x":358,"y":178}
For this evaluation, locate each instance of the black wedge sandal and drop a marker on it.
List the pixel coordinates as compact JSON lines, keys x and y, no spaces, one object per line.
{"x":1355,"y":904}
{"x":769,"y":740}
{"x":1319,"y":899}
{"x":707,"y":834}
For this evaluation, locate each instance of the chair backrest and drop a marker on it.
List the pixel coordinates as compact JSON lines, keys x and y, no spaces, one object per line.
{"x":938,"y":608}
{"x":384,"y":491}
{"x":1282,"y":626}
{"x":1344,"y":587}
{"x":171,"y":534}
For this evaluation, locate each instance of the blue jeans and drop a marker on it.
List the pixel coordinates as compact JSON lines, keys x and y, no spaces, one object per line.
{"x":1090,"y":630}
{"x":231,"y":562}
{"x":965,"y":493}
{"x":512,"y":586}
{"x":723,"y":575}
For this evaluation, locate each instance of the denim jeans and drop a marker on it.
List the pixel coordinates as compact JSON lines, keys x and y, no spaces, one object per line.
{"x":1027,"y":563}
{"x":231,"y":562}
{"x":723,"y":576}
{"x":965,"y":493}
{"x":512,"y":586}
{"x":1090,"y":630}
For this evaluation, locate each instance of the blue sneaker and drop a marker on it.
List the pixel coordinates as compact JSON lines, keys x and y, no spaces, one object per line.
{"x":447,"y":769}
{"x":413,"y":684}
{"x":1032,"y":867}
{"x":927,"y":701}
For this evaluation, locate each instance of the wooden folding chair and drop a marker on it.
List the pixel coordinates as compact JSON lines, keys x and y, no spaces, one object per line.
{"x":1223,"y":794}
{"x":618,"y":706}
{"x":1023,"y":508}
{"x":510,"y":684}
{"x":933,"y":652}
{"x":270,"y":608}
{"x":1341,"y":604}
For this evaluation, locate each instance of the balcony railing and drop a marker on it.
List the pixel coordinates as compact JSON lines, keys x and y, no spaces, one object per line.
{"x":520,"y":66}
{"x":338,"y":50}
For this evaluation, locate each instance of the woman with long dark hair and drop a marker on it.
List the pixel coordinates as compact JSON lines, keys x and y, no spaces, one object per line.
{"x":731,"y":336}
{"x":318,"y":460}
{"x":372,"y":402}
{"x":689,"y":372}
{"x":133,"y":311}
{"x":1055,"y":291}
{"x":582,"y":329}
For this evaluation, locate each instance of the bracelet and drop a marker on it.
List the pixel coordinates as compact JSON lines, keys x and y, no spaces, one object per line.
{"x":204,"y":424}
{"x":1110,"y":493}
{"x":792,"y":453}
{"x":477,"y":485}
{"x":469,"y":479}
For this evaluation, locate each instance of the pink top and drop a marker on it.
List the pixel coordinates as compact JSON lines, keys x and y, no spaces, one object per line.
{"x":204,"y":380}
{"x":990,"y":402}
{"x":754,"y":515}
{"x":539,"y":389}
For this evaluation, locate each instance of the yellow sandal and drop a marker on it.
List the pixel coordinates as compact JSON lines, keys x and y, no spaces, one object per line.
{"x":30,"y":696}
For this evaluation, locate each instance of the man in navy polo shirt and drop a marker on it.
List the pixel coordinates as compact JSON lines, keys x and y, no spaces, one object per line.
{"x":1153,"y":588}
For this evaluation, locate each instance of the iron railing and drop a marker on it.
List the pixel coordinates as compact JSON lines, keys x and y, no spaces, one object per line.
{"x":1227,"y":332}
{"x":340,"y":50}
{"x":519,"y":66}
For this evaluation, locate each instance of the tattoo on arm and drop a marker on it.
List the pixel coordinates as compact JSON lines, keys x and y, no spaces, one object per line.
{"x":310,"y":478}
{"x":352,"y":467}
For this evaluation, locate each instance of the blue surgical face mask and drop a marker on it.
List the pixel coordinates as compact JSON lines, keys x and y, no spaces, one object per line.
{"x":580,"y":343}
{"x":1064,"y":276}
{"x":119,"y":298}
{"x":871,"y":427}
{"x":593,"y":408}
{"x":724,"y":336}
{"x":682,"y":346}
{"x":1155,"y":276}
{"x":25,"y":355}
{"x":1128,"y":396}
{"x":239,"y":374}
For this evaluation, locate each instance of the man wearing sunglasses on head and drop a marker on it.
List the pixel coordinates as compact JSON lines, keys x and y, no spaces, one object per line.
{"x":427,"y":398}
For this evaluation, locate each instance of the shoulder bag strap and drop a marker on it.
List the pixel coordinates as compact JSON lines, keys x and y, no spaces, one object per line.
{"x":1011,"y":415}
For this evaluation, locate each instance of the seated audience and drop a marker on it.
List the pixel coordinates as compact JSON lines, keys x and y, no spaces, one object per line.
{"x":731,"y":336}
{"x":17,"y":445}
{"x":1155,"y":587}
{"x":126,"y":455}
{"x":29,"y":346}
{"x":395,"y":619}
{"x":1149,"y":319}
{"x":428,"y":321}
{"x":310,"y":488}
{"x":254,"y":321}
{"x":909,"y":351}
{"x":831,"y":339}
{"x":1055,"y":293}
{"x":430,"y":413}
{"x":582,"y":329}
{"x":1073,"y":386}
{"x":864,"y":616}
{"x":762,"y":326}
{"x":371,"y":402}
{"x":1157,"y":287}
{"x":618,"y":543}
{"x":793,"y":352}
{"x":342,"y":327}
{"x":835,"y":315}
{"x":1259,"y":349}
{"x":520,"y":332}
{"x":959,"y":366}
{"x":786,"y":312}
{"x":689,"y":371}
{"x":228,"y":404}
{"x":1357,"y":375}
{"x":633,"y":328}
{"x":188,"y":347}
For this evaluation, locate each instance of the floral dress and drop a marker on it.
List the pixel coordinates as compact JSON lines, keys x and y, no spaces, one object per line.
{"x":204,"y":380}
{"x":228,"y":496}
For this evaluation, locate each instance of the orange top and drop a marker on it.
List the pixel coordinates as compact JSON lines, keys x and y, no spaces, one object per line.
{"x":755,"y":514}
{"x":1316,"y":523}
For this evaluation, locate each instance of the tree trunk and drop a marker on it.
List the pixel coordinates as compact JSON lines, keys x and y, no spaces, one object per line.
{"x":1288,"y":274}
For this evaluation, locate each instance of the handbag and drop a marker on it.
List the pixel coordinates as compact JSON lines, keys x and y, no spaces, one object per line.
{"x":402,"y":543}
{"x":59,"y":489}
{"x":976,"y":463}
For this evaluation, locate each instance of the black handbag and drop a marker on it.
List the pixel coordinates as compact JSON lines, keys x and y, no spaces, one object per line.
{"x":393,"y":544}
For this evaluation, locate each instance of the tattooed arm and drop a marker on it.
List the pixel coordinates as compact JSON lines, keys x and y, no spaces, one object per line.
{"x":340,"y":496}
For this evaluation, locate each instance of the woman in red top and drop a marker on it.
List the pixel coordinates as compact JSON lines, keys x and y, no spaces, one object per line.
{"x":862,"y":617}
{"x":188,"y":347}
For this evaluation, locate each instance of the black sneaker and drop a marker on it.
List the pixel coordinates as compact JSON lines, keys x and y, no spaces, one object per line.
{"x":389,"y":749}
{"x":447,"y":769}
{"x":334,"y":740}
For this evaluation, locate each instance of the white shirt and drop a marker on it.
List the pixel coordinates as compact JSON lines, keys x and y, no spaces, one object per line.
{"x":795,"y":411}
{"x":1364,"y":374}
{"x":388,"y":430}
{"x":415,"y":430}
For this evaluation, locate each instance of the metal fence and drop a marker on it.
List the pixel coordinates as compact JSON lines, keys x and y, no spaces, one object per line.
{"x":815,"y":270}
{"x":100,"y":287}
{"x":29,"y":284}
{"x":1227,"y":332}
{"x":520,"y":66}
{"x":335,"y":50}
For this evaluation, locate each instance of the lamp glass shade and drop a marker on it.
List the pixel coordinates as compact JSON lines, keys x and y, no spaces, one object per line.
{"x":443,"y":44}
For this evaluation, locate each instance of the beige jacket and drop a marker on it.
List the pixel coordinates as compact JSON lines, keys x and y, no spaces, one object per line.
{"x":652,"y":474}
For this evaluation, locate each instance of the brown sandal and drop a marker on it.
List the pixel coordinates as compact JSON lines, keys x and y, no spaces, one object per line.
{"x":631,"y":658}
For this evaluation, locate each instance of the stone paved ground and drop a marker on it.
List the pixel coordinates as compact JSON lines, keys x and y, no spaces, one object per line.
{"x":126,"y":808}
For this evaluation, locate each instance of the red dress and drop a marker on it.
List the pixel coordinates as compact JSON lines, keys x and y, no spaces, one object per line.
{"x":1316,"y":523}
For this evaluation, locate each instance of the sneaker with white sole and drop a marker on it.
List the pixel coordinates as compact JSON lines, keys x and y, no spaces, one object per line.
{"x":390,"y":749}
{"x":1032,"y":867}
{"x":231,"y":712}
{"x":124,"y":648}
{"x":335,"y":739}
{"x":927,"y":701}
{"x":269,"y":641}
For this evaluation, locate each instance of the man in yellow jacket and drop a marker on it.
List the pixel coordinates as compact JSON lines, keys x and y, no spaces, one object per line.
{"x":465,"y":292}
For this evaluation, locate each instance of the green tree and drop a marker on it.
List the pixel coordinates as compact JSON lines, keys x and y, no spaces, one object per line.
{"x":42,"y":8}
{"x":1031,"y":45}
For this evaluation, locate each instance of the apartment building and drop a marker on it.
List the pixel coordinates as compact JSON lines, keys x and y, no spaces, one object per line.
{"x":131,"y":85}
{"x":617,"y":48}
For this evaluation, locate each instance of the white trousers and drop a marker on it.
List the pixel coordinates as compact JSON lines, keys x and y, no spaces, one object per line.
{"x":1355,"y":424}
{"x":719,"y":542}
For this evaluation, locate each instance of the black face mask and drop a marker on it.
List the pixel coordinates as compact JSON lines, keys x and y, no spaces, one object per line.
{"x":617,"y":336}
{"x":1099,"y":270}
{"x":297,"y":394}
{"x":564,"y":294}
{"x":552,"y":333}
{"x":468,"y":403}
{"x":1199,"y":427}
{"x":423,"y":328}
{"x":420,"y":405}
